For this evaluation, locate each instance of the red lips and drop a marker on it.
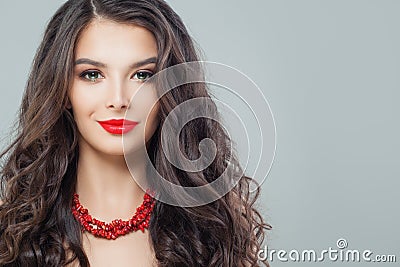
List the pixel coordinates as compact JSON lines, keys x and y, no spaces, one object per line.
{"x":118,"y":126}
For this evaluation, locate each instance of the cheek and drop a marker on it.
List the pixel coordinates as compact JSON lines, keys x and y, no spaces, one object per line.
{"x":152,"y":120}
{"x":82,"y":100}
{"x":142,"y":104}
{"x":77,"y":107}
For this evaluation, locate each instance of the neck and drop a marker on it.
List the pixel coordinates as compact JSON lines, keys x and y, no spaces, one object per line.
{"x":105,"y":185}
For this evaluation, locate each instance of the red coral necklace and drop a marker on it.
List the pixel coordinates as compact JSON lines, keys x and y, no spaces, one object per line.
{"x":140,"y":220}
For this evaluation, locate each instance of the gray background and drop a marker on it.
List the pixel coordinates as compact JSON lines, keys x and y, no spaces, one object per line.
{"x":329,"y":70}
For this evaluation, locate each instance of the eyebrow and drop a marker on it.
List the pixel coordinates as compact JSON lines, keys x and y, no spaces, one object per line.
{"x":103,"y":65}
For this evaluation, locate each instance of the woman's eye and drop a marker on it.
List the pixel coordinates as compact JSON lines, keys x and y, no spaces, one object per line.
{"x":142,"y":75}
{"x":91,"y":75}
{"x":94,"y":75}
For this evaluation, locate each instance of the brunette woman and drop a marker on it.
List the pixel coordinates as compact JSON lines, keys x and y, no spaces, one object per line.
{"x":68,"y":196}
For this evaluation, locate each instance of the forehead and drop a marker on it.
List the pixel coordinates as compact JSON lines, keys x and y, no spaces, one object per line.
{"x":115,"y":42}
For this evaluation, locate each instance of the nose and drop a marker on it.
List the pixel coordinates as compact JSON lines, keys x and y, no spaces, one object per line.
{"x":118,"y":98}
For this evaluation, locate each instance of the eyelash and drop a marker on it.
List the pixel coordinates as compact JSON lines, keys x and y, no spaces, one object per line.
{"x":83,"y":74}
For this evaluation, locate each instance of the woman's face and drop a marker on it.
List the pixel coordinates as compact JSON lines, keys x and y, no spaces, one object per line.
{"x":111,"y":61}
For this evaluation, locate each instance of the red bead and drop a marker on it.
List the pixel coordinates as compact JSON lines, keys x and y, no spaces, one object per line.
{"x":117,"y":227}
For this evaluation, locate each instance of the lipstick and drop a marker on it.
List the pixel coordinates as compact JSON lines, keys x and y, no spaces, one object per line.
{"x":118,"y":126}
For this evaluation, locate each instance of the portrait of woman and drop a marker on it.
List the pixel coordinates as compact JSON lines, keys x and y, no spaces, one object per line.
{"x":68,"y":197}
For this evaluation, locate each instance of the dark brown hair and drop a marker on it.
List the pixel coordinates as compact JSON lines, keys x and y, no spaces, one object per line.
{"x":38,"y":176}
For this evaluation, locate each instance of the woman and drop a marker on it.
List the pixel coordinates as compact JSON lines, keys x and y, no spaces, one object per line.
{"x":69,"y":197}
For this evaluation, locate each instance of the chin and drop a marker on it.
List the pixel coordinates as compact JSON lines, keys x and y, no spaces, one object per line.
{"x":133,"y":150}
{"x":113,"y":152}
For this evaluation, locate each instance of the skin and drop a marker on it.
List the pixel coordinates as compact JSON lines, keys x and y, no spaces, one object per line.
{"x":104,"y":183}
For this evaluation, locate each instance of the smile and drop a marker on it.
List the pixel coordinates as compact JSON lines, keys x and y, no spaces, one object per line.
{"x":119,"y":126}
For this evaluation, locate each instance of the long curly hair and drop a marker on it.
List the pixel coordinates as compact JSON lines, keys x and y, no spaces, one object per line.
{"x":38,"y":172}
